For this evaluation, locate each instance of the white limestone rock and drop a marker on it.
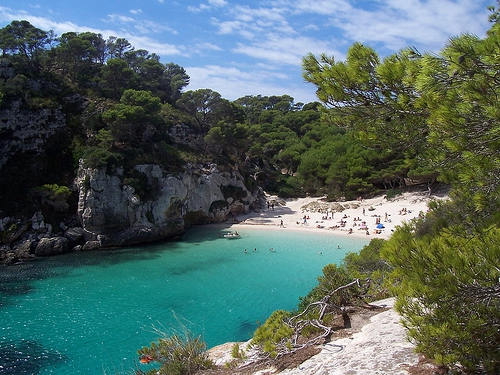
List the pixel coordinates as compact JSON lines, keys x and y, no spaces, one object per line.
{"x":114,"y":210}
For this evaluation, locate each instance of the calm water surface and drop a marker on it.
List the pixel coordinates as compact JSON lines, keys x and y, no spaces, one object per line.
{"x":88,"y":313}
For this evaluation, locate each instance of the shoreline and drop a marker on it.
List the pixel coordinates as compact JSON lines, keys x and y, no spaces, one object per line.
{"x":369,"y":218}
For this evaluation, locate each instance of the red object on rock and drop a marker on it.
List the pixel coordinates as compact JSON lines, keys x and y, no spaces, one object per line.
{"x":146,"y":358}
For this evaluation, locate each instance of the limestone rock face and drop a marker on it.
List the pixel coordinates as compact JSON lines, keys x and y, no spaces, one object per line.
{"x":27,"y":131}
{"x":115,"y":214}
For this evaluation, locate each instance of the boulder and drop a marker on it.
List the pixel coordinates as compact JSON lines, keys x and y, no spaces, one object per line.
{"x":91,"y":245}
{"x":74,"y":235}
{"x":52,"y":246}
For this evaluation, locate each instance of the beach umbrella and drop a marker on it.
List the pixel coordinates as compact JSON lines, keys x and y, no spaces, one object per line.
{"x":380,"y":226}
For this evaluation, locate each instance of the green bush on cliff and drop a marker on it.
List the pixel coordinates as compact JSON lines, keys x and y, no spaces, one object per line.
{"x":369,"y":264}
{"x":274,"y":334}
{"x":96,"y":157}
{"x":177,"y":355}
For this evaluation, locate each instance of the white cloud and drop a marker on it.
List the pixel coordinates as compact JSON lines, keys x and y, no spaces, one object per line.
{"x":252,"y":23}
{"x":119,"y":18}
{"x":324,"y":7}
{"x":285,"y":50}
{"x":200,"y":8}
{"x":218,"y":3}
{"x":233,"y":83}
{"x":135,"y":11}
{"x":207,"y":46}
{"x":233,"y":27}
{"x":153,"y":46}
{"x":205,"y":7}
{"x":141,"y":26}
{"x":398,"y":24}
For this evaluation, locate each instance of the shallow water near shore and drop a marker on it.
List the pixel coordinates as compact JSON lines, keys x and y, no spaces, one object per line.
{"x":88,"y":313}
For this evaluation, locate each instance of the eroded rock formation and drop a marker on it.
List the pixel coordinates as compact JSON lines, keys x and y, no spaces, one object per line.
{"x":116,"y":214}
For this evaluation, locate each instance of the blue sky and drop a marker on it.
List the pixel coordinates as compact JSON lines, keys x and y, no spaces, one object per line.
{"x":255,"y":47}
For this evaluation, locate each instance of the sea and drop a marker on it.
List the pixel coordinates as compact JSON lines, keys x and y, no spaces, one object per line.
{"x":89,"y":312}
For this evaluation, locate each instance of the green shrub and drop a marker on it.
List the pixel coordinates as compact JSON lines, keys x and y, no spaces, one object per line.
{"x":392,"y":193}
{"x":177,"y":355}
{"x":139,"y":182}
{"x":274,"y":333}
{"x":96,"y":157}
{"x":56,"y":191}
{"x":53,"y":195}
{"x":237,"y":352}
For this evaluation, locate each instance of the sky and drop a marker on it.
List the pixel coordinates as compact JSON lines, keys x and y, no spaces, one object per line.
{"x":255,"y":47}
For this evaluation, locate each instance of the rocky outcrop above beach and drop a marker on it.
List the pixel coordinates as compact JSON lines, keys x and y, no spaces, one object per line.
{"x":116,"y":213}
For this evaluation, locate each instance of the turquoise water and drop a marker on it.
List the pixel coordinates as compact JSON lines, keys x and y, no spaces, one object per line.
{"x":88,"y":313}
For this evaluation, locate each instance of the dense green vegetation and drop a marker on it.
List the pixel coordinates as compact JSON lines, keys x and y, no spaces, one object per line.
{"x":120,"y":103}
{"x":446,"y":274}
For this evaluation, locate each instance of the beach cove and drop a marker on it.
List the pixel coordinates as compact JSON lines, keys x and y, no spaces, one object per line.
{"x":374,"y":344}
{"x":89,"y":312}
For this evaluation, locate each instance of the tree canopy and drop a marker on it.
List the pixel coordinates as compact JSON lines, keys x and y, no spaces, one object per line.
{"x":443,"y":109}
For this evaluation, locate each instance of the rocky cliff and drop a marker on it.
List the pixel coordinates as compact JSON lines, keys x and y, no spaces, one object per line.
{"x":27,"y":131}
{"x":42,"y":131}
{"x":115,"y":214}
{"x":112,"y":213}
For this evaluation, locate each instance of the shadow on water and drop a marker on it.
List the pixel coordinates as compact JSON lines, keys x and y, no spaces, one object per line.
{"x":247,"y":329}
{"x":26,"y":357}
{"x":17,"y":280}
{"x":206,"y":233}
{"x":197,"y":266}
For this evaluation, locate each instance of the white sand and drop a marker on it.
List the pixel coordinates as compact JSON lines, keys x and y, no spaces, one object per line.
{"x":319,"y":212}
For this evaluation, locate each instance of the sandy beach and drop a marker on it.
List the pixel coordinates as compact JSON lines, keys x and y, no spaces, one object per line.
{"x":374,"y":217}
